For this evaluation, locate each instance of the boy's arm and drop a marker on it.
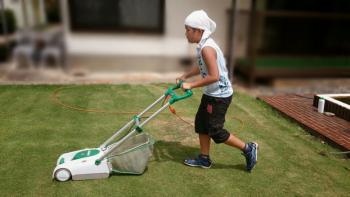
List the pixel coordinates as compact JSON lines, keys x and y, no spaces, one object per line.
{"x":193,"y":72}
{"x":209,"y":56}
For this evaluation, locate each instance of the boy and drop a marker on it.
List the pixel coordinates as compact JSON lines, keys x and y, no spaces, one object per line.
{"x":217,"y":93}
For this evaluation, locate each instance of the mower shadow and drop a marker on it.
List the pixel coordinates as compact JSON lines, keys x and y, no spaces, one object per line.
{"x":177,"y":152}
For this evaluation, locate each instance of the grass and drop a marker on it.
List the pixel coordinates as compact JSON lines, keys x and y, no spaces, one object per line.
{"x":34,"y":131}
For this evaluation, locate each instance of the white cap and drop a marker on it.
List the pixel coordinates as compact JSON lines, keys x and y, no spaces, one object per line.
{"x":200,"y":20}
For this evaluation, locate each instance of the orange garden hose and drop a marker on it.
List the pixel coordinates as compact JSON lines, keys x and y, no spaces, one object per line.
{"x":55,"y":99}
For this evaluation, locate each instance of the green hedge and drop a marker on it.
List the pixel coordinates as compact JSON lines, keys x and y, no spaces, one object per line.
{"x":298,"y":62}
{"x":11,"y":28}
{"x":3,"y":53}
{"x":10,"y":21}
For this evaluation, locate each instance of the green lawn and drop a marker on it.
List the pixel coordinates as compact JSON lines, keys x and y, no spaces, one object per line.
{"x":34,"y":131}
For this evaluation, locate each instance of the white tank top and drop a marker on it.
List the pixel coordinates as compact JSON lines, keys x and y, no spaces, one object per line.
{"x":223,"y":87}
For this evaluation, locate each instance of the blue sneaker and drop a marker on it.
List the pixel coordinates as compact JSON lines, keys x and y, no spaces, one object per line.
{"x":251,"y":155}
{"x":199,"y":161}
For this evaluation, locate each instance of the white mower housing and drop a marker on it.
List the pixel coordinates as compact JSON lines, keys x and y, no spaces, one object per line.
{"x":81,"y":165}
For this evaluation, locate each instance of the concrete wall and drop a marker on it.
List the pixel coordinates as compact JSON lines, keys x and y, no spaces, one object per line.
{"x":241,"y":27}
{"x":172,"y":44}
{"x":17,"y":7}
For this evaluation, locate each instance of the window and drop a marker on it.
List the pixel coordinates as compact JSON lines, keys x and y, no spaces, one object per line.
{"x":117,"y":15}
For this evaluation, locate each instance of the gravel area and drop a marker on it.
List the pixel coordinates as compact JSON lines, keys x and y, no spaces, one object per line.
{"x":9,"y":75}
{"x":298,"y":86}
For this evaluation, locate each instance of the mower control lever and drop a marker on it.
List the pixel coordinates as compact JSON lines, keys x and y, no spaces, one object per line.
{"x":174,"y":97}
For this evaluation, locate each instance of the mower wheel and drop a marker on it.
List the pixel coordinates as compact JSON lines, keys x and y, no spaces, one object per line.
{"x":62,"y":175}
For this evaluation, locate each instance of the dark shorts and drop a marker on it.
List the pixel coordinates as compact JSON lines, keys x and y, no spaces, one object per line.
{"x":210,"y":117}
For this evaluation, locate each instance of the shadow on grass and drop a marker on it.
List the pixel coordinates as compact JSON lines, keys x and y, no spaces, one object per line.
{"x":177,"y":152}
{"x":228,"y":166}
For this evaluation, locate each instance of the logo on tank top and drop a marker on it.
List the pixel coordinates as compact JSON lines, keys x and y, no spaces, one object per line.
{"x":200,"y":61}
{"x":223,"y":84}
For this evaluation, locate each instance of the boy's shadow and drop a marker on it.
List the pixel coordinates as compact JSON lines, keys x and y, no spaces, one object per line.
{"x":176,"y":152}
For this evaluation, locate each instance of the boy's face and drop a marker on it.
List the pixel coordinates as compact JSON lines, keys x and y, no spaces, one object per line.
{"x":193,"y":35}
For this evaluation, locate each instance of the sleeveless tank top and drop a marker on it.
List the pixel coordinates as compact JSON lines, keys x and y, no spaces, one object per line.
{"x":223,"y":87}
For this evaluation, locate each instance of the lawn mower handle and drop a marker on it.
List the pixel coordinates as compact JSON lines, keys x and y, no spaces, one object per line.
{"x":174,"y":96}
{"x":108,"y":148}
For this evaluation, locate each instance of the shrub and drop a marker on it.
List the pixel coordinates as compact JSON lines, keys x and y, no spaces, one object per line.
{"x":10,"y":22}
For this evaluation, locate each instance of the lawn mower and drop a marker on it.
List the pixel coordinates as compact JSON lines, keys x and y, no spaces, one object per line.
{"x":128,"y":150}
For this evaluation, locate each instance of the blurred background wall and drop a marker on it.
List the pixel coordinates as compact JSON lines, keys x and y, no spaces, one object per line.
{"x":261,"y":39}
{"x":138,"y":47}
{"x":28,"y":13}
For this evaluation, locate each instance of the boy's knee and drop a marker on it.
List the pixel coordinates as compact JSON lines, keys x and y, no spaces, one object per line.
{"x":219,"y":135}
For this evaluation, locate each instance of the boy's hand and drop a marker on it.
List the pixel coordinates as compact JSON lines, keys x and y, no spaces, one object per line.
{"x":182,"y":78}
{"x":186,"y":86}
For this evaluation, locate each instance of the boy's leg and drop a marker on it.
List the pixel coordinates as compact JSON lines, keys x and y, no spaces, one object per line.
{"x":204,"y":142}
{"x":221,"y":135}
{"x":201,"y":125}
{"x":235,"y":142}
{"x":202,"y":160}
{"x":249,"y":150}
